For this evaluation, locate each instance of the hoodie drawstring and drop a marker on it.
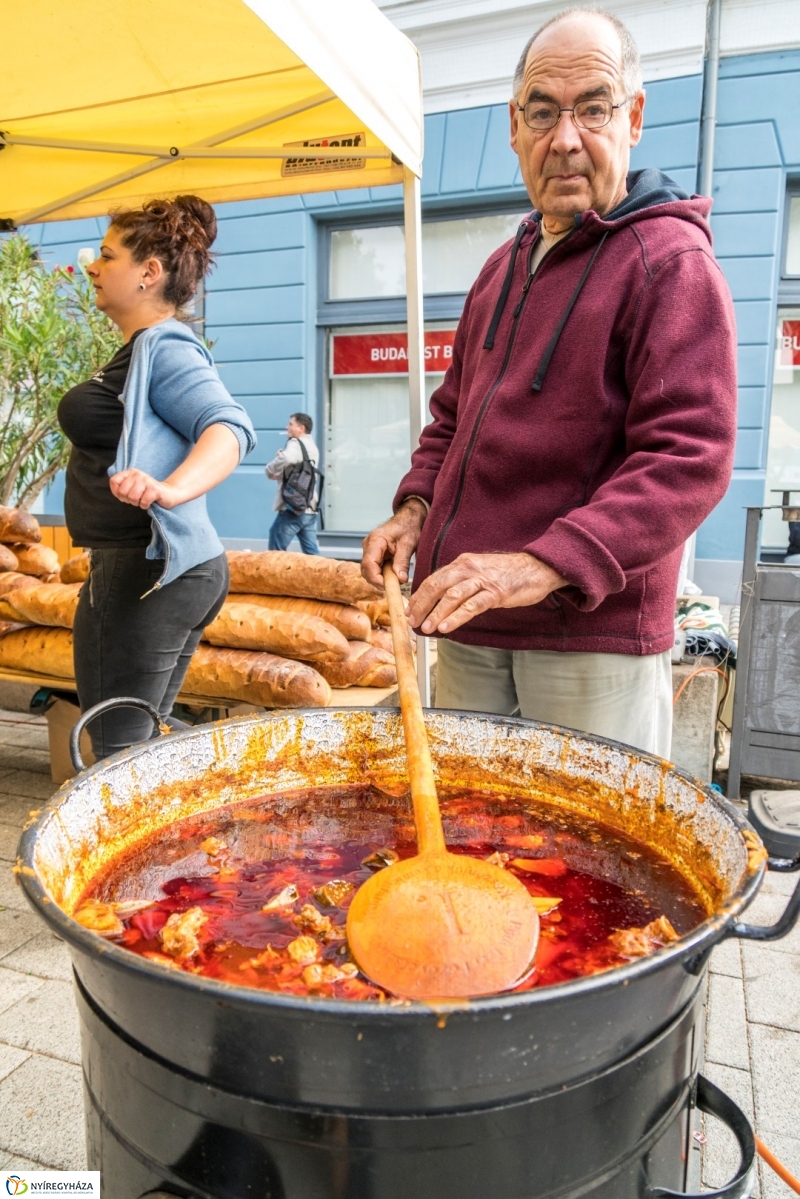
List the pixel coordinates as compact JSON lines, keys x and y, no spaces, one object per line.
{"x":548,"y":354}
{"x":506,"y":288}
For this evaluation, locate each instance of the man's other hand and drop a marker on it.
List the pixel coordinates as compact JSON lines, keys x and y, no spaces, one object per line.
{"x":473,"y":583}
{"x":396,"y":538}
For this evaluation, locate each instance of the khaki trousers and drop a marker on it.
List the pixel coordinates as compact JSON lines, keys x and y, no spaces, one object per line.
{"x":619,"y":696}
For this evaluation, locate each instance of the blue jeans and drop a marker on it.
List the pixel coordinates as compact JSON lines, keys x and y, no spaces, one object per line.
{"x":286,"y":526}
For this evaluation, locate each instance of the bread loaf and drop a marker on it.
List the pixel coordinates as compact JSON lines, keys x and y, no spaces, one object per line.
{"x":46,"y":604}
{"x":364,"y":666}
{"x":8,"y":559}
{"x":19,"y":527}
{"x":247,"y":626}
{"x":37,"y":560}
{"x":45,"y":651}
{"x":307,"y":576}
{"x":76,"y":570}
{"x":10,"y":581}
{"x":351,"y":622}
{"x":253,"y":678}
{"x":378,"y":612}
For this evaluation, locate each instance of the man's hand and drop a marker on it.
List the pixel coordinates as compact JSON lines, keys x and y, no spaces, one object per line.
{"x":396,"y":538}
{"x":473,"y":583}
{"x":141,"y":490}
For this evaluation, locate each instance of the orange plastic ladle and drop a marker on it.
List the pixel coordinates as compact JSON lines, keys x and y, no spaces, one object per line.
{"x":440,"y":925}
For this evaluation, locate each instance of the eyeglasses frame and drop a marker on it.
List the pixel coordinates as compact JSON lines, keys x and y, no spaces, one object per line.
{"x":521,"y":108}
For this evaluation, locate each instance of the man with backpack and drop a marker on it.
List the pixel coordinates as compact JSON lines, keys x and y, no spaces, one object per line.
{"x":297,"y":501}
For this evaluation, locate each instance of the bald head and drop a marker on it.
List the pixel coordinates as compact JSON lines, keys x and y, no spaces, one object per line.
{"x":630,"y":65}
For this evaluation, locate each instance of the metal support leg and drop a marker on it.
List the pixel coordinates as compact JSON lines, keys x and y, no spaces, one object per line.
{"x":749,"y":568}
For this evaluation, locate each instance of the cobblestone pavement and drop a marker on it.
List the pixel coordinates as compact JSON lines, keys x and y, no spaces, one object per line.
{"x":752,"y":1044}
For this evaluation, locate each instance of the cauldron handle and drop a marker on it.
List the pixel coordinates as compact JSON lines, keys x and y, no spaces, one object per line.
{"x":714,"y":1102}
{"x":107,"y":705}
{"x":772,"y":932}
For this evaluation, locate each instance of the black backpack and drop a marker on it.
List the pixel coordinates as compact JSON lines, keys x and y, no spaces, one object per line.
{"x":300,"y":483}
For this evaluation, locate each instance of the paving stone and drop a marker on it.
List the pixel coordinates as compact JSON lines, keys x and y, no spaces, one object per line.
{"x":30,"y":757}
{"x":44,"y":956}
{"x":11,"y":894}
{"x":16,"y":809}
{"x":14,"y":985}
{"x":787,"y":1151}
{"x":9,"y":839}
{"x":775,"y":1062}
{"x":16,"y":928}
{"x":21,"y":1163}
{"x":767,"y":909}
{"x":27,"y":784}
{"x":727,"y":959}
{"x":10,"y":1058}
{"x":726,"y":1031}
{"x":45,"y":1022}
{"x":721,"y":1153}
{"x":775,"y":882}
{"x":30,"y":733}
{"x":42,"y":1111}
{"x":773,"y":987}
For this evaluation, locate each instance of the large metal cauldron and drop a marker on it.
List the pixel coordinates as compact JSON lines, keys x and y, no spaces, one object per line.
{"x":204,"y":1089}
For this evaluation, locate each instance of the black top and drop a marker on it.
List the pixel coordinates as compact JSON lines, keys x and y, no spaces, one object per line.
{"x":91,"y":415}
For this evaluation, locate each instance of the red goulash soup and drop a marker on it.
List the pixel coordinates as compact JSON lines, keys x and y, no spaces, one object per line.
{"x":257,"y":893}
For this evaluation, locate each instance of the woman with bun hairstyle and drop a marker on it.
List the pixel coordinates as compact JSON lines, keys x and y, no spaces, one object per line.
{"x":152,"y":432}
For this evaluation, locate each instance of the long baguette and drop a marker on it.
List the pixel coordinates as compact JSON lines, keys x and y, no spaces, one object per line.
{"x":365,"y":666}
{"x":10,"y":580}
{"x":45,"y":651}
{"x":262,"y":679}
{"x":19,"y":527}
{"x":47,"y":604}
{"x":307,"y":576}
{"x":351,"y":622}
{"x":37,"y":559}
{"x":248,"y":626}
{"x":378,"y":612}
{"x":8,"y":559}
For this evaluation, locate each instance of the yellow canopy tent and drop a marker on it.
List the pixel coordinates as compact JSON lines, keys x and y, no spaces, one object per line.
{"x":107,"y":104}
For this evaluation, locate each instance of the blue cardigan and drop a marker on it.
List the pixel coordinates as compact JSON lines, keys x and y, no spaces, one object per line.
{"x":173,"y":394}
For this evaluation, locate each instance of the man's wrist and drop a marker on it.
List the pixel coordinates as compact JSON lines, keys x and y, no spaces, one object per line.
{"x":416,"y":502}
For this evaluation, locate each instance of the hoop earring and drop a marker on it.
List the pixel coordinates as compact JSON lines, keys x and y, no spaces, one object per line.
{"x":142,"y":287}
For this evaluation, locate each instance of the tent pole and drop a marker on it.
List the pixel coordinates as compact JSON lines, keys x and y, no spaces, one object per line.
{"x":418,"y":416}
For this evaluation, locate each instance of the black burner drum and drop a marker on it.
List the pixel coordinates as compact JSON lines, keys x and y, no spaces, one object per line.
{"x":199,"y":1088}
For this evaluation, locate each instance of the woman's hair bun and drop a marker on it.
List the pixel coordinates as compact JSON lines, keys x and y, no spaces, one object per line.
{"x":200,"y":212}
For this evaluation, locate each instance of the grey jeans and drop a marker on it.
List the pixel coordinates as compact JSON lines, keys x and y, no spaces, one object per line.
{"x":130,"y":643}
{"x":619,"y":696}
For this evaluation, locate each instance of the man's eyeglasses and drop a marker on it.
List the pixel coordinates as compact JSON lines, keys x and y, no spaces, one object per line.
{"x":542,"y":115}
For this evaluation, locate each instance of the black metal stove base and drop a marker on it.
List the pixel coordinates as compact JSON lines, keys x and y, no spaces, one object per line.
{"x":612,"y":1136}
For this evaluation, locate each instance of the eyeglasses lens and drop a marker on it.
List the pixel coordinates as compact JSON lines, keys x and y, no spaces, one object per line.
{"x":589,"y":114}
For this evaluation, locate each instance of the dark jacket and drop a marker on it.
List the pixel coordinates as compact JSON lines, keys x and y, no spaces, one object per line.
{"x":588,"y":418}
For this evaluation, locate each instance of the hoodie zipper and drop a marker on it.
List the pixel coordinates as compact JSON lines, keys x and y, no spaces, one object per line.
{"x":488,"y":397}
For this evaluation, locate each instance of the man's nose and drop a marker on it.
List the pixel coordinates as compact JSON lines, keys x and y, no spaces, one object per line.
{"x":566,"y":137}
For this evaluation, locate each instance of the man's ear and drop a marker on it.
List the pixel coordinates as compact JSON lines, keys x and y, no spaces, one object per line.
{"x":637,"y":118}
{"x":513,"y":113}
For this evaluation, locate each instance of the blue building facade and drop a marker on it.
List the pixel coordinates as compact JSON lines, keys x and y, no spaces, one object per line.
{"x":266,"y":307}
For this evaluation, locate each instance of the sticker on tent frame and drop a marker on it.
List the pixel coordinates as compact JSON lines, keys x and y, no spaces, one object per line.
{"x":292,"y":167}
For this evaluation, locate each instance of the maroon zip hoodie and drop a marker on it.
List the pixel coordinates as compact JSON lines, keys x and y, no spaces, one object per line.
{"x":588,"y":418}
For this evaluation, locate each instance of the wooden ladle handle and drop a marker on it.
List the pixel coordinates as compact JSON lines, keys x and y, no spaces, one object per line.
{"x":427,"y":818}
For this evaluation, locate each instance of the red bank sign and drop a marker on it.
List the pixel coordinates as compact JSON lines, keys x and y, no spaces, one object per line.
{"x":387,"y":353}
{"x":790,"y":343}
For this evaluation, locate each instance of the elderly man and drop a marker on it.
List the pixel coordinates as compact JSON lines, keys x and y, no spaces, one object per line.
{"x":586,"y":425}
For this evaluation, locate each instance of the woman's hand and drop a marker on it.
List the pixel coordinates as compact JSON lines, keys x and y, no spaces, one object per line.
{"x":142,"y":490}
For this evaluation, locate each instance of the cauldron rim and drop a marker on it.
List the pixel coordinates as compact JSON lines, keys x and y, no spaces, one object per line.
{"x":697,"y":943}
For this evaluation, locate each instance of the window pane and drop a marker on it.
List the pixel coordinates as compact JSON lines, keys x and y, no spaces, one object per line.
{"x":453,"y":252}
{"x":793,"y":242}
{"x":368,"y":450}
{"x":783,"y":455}
{"x":370,"y":263}
{"x":367,"y":263}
